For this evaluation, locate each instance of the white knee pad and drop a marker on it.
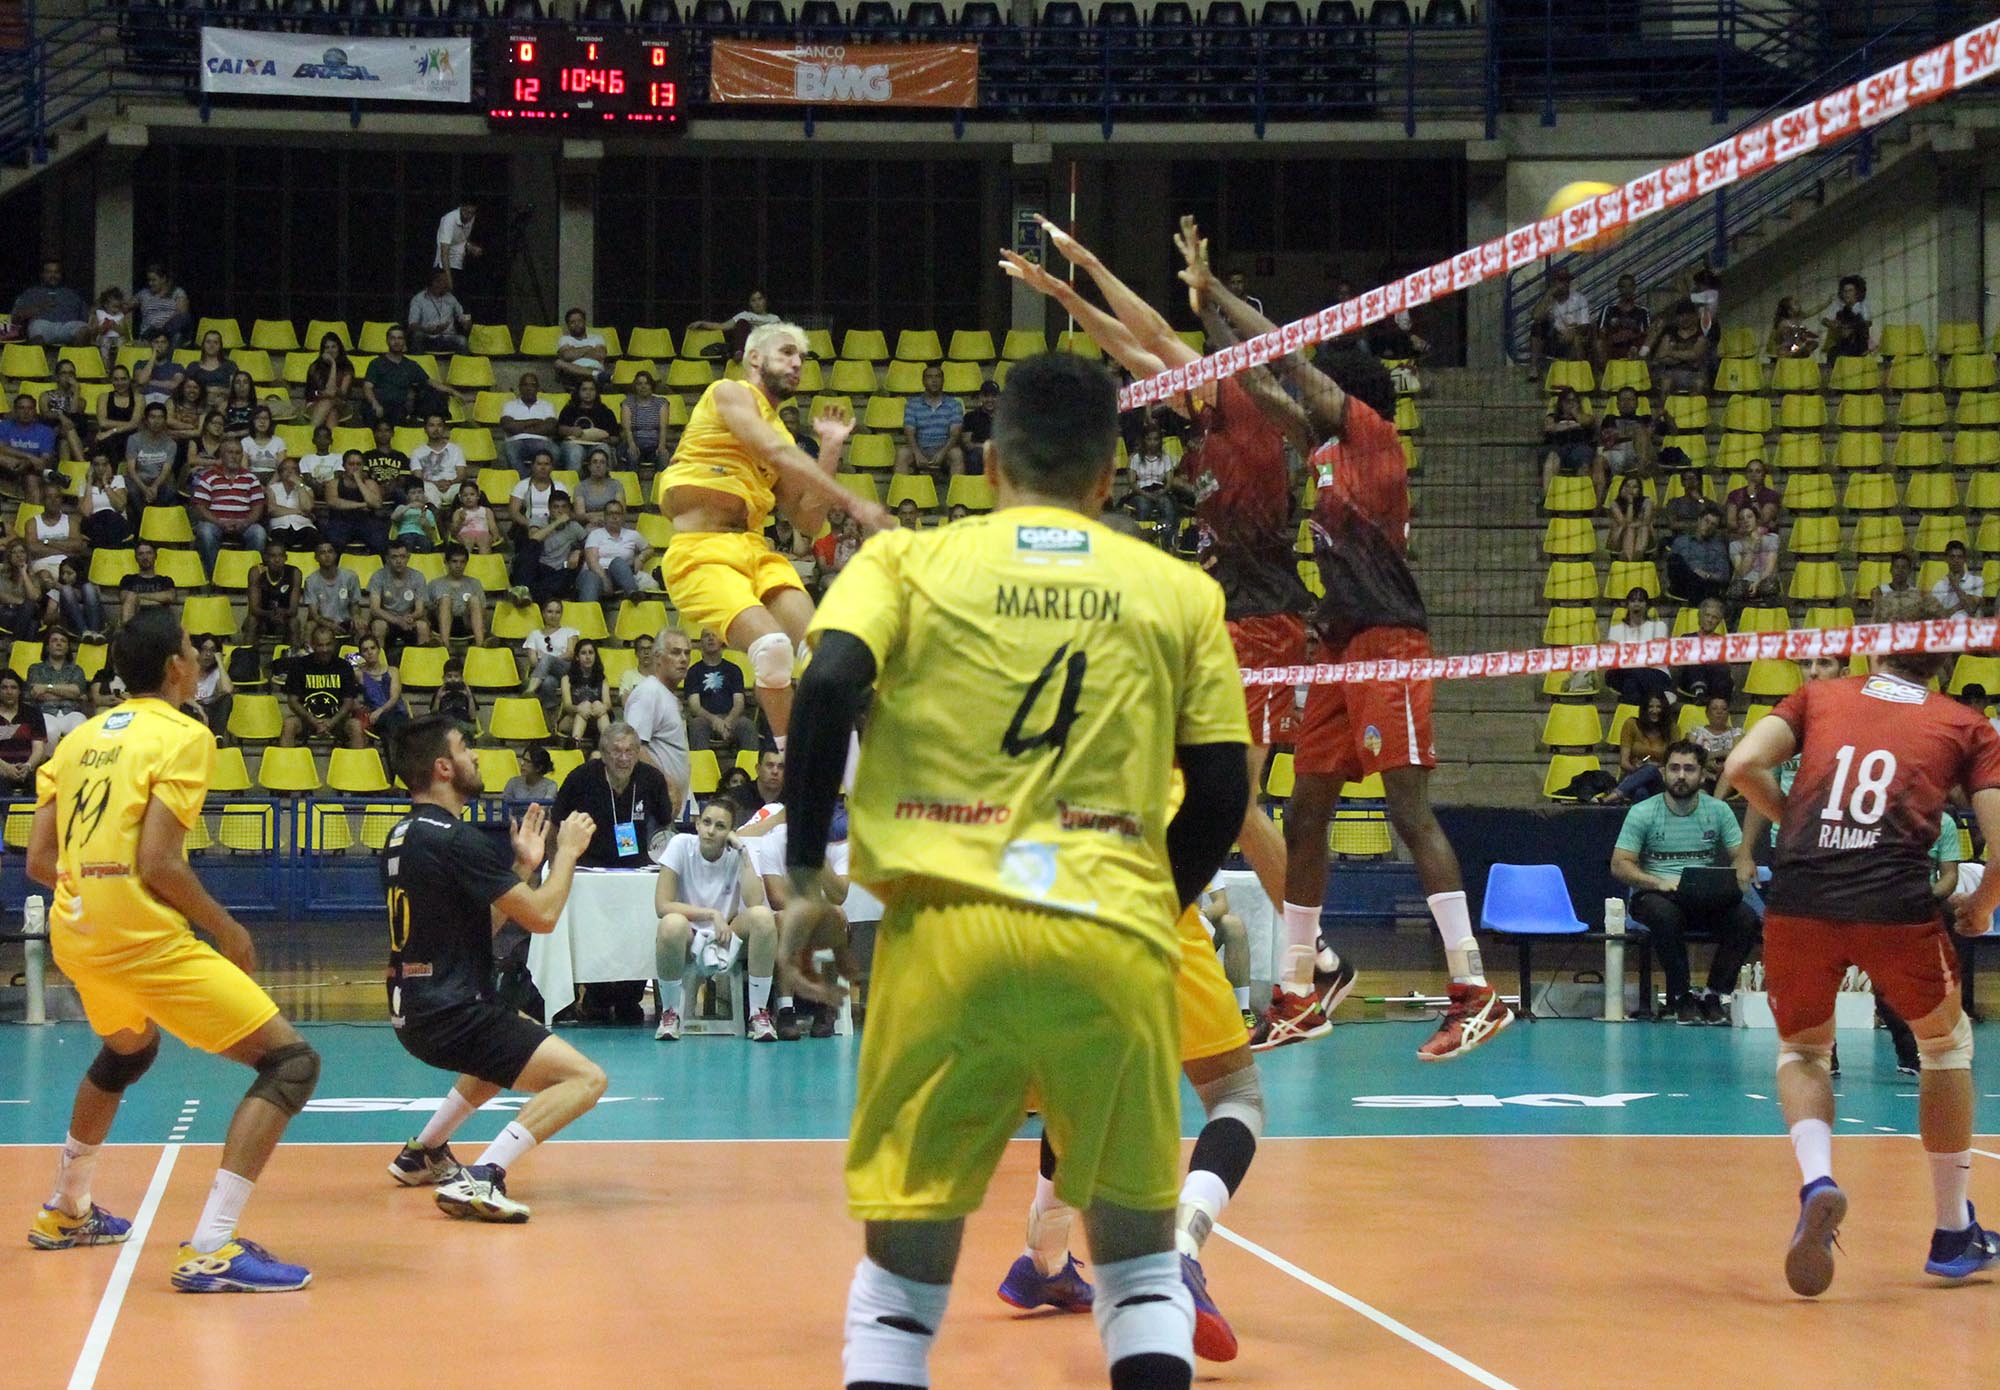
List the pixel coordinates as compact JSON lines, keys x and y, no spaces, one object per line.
{"x":1238,"y":1096}
{"x":1952,"y":1052}
{"x":771,"y":660}
{"x":1807,"y":1054}
{"x":891,"y":1324}
{"x":1143,"y":1307}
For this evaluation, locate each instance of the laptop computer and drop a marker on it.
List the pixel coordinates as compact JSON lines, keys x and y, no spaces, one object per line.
{"x":1709,"y":887}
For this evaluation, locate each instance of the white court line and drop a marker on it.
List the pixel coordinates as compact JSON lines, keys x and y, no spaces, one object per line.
{"x":1985,"y":1154}
{"x":98,"y":1339}
{"x":1373,"y":1314}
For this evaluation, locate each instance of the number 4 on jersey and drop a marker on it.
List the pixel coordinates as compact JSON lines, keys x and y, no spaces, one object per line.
{"x":1014,"y":743}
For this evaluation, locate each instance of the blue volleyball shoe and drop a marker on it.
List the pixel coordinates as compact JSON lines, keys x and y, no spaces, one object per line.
{"x":242,"y":1266}
{"x":1962,"y":1254}
{"x":56,"y":1229}
{"x":1027,"y":1288}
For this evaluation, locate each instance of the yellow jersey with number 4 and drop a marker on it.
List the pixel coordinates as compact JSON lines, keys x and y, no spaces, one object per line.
{"x":100,"y":780}
{"x":1035,"y":671}
{"x":710,"y":456}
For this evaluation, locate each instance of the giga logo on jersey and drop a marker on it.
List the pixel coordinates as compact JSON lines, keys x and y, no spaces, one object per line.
{"x":1052,"y":540}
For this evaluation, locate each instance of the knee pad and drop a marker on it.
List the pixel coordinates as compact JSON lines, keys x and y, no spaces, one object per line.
{"x":891,"y":1324}
{"x":771,"y":660}
{"x":1238,"y":1096}
{"x":1808,"y":1054}
{"x":1951,"y":1052}
{"x":111,"y":1072}
{"x":1144,"y":1309}
{"x":286,"y":1077}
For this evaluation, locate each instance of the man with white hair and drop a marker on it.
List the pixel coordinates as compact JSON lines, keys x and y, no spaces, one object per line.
{"x":735,"y":463}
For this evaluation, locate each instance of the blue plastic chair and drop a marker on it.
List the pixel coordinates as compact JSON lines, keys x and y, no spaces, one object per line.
{"x":1526,"y":903}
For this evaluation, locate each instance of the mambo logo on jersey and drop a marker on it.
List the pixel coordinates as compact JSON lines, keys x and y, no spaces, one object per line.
{"x":979,"y":812}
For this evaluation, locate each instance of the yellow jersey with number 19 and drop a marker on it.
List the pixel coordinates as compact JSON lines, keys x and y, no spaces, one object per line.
{"x":1035,"y":671}
{"x":710,"y":456}
{"x":100,"y":780}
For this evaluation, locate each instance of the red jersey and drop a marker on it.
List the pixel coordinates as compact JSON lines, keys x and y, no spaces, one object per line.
{"x":1878,"y":756}
{"x":1242,"y":484}
{"x":1361,"y":531}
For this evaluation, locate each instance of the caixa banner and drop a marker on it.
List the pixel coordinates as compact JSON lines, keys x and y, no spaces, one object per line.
{"x":248,"y":62}
{"x":916,"y":74}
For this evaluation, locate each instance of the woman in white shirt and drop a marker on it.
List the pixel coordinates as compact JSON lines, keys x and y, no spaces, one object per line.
{"x":322,"y":465}
{"x":547,"y":649}
{"x":105,"y":523}
{"x":1634,"y":684}
{"x":263,"y":448}
{"x":288,"y":515}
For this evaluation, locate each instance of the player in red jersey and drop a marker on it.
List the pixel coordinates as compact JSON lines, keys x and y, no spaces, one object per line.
{"x":1850,"y":886}
{"x":1372,"y":610}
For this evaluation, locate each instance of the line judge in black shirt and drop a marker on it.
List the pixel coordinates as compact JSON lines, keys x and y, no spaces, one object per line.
{"x":627,"y":799}
{"x":448,"y":883}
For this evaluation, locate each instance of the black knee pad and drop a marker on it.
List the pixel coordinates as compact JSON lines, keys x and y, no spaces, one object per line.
{"x":111,"y":1072}
{"x":286,"y":1077}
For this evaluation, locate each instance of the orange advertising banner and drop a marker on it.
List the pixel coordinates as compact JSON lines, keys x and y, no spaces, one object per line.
{"x":915,"y":74}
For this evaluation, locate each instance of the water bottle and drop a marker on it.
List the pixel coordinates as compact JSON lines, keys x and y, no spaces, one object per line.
{"x":34,"y":923}
{"x":1614,"y":960}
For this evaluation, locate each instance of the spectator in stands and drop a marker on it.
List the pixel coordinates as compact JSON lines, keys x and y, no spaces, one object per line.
{"x":1902,"y":579}
{"x":596,"y":489}
{"x":1755,"y":496}
{"x":460,"y":600}
{"x":768,"y":787}
{"x":585,"y":700}
{"x":1631,"y":534}
{"x":453,"y":696}
{"x":1849,"y":331}
{"x":1624,"y":325}
{"x":105,"y":500}
{"x":1569,"y":443}
{"x":212,"y":368}
{"x":27,"y":448}
{"x":472,"y":523}
{"x":1753,"y":560}
{"x":439,"y":462}
{"x":907,"y":515}
{"x":26,"y":605}
{"x":1792,"y":333}
{"x":160,"y":375}
{"x":78,"y":601}
{"x":547,"y":651}
{"x":397,"y":388}
{"x":1683,"y":356}
{"x":383,"y":708}
{"x":715,"y":693}
{"x":529,"y":424}
{"x":272,"y":597}
{"x":735,"y":782}
{"x":787,"y":540}
{"x":331,"y":595}
{"x":24,"y":739}
{"x":161,"y":308}
{"x":653,"y":710}
{"x":399,"y":602}
{"x":323,"y":463}
{"x":735,"y":329}
{"x":1560,"y":324}
{"x":1715,"y":739}
{"x":120,"y":413}
{"x":978,"y":430}
{"x":1704,"y":291}
{"x":957,"y":512}
{"x":57,"y":687}
{"x":556,"y":548}
{"x":329,"y":383}
{"x":1698,"y":564}
{"x":1396,"y":340}
{"x":1684,"y":510}
{"x":437,"y":321}
{"x":1959,"y":590}
{"x":50,"y":313}
{"x":528,"y":508}
{"x":353,"y":509}
{"x":1239,"y":285}
{"x":63,"y":409}
{"x":615,"y":559}
{"x":642,"y":667}
{"x":204,"y":450}
{"x":187,"y":418}
{"x":289,"y":503}
{"x":1634,"y":684}
{"x":1625,"y":435}
{"x":239,"y":403}
{"x":1683,"y":828}
{"x":214,"y":693}
{"x":581,"y":352}
{"x":263,"y":447}
{"x":410,"y":519}
{"x":52,"y":534}
{"x":1705,"y":680}
{"x":585,"y":421}
{"x":324,"y":696}
{"x":834,"y":549}
{"x":145,"y":587}
{"x":1156,"y":496}
{"x":807,"y":440}
{"x":533,"y":787}
{"x":932,"y":424}
{"x":454,"y":240}
{"x":642,"y":419}
{"x":228,"y":506}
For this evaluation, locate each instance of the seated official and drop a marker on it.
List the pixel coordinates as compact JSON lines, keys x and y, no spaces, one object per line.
{"x":1663,"y":837}
{"x":710,"y":899}
{"x":1232,"y":939}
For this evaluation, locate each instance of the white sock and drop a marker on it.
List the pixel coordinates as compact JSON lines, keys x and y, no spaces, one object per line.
{"x":1242,"y":996}
{"x":224,"y":1209}
{"x":1203,"y":1196}
{"x":672,"y":996}
{"x":73,"y":1172}
{"x":891,"y":1324}
{"x":778,"y":742}
{"x":1812,"y":1145}
{"x":445,"y":1120}
{"x":1049,"y":1219}
{"x":1295,"y":969}
{"x":1454,"y":924}
{"x":1950,"y":1174}
{"x":508,"y":1146}
{"x":760,"y":993}
{"x":783,"y":1002}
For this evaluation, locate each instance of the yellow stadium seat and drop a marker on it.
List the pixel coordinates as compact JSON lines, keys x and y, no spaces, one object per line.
{"x":654,"y":529}
{"x":287,"y":770}
{"x":20,"y":825}
{"x":1982,"y":490}
{"x":166,"y":525}
{"x":1878,"y":535}
{"x":1808,"y":492}
{"x":1627,"y":575}
{"x":22,"y":655}
{"x":963,"y":378}
{"x":477,"y":444}
{"x":317,"y":329}
{"x":1570,"y":496}
{"x":1695,"y":446}
{"x":1828,"y":617}
{"x":1870,"y":575}
{"x":1935,"y":491}
{"x":1795,"y":374}
{"x":1919,"y":449}
{"x":1803,"y":452}
{"x":1816,"y":581}
{"x":1623,"y":372}
{"x":1023,"y":342}
{"x":626,"y":370}
{"x":229,"y":773}
{"x":699,"y":341}
{"x":1870,"y":492}
{"x":1898,"y":340}
{"x":1976,"y":408}
{"x":1569,"y":536}
{"x":1737,"y":450}
{"x":1080,"y":345}
{"x":491,"y":340}
{"x":971,"y":345}
{"x":1772,"y":678}
{"x":883,"y":413}
{"x":88,"y":361}
{"x":347,"y":437}
{"x":1975,"y":448}
{"x":1970,"y":372}
{"x":1569,"y":627}
{"x":614,"y":345}
{"x":1982,"y":671}
{"x":107,"y":567}
{"x":422,"y":668}
{"x":704,"y":774}
{"x":1571,"y":581}
{"x":208,"y":615}
{"x":656,"y":344}
{"x":1575,"y":375}
{"x":1956,"y":337}
{"x":1739,"y":342}
{"x":374,"y":336}
{"x":918,"y":345}
{"x":871,"y":451}
{"x":1921,"y":410}
{"x":1935,"y":532}
{"x":232,"y":569}
{"x":1861,"y":412}
{"x":864,"y":345}
{"x":1802,"y":412}
{"x":486,"y":406}
{"x":363,"y":565}
{"x":539,"y":340}
{"x":689,"y":374}
{"x":860,"y":484}
{"x":24,"y":362}
{"x":1563,"y":769}
{"x":249,"y":829}
{"x":917,"y":487}
{"x":329,"y":830}
{"x":469,"y":372}
{"x":904,"y":378}
{"x":971,"y":491}
{"x":1280,"y":777}
{"x":587,"y":619}
{"x":255,"y":718}
{"x":496,"y":485}
{"x":518,"y":719}
{"x":1859,"y":450}
{"x":1738,"y":374}
{"x":511,"y":621}
{"x":1572,"y":726}
{"x":491,"y":668}
{"x":356,"y":771}
{"x":640,"y":618}
{"x":1747,"y":414}
{"x":1814,"y":535}
{"x":1913,"y":374}
{"x":1855,"y":374}
{"x":229,"y":329}
{"x":183,"y":567}
{"x":274,"y":335}
{"x":379,"y":819}
{"x":1688,"y":412}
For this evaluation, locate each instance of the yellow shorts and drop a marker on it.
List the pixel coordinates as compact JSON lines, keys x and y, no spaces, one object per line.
{"x":978,"y":1003}
{"x":713,"y":576}
{"x":184,"y":985}
{"x":1211,"y":1024}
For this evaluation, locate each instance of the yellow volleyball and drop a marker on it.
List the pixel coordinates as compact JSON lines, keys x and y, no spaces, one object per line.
{"x":1568,"y":196}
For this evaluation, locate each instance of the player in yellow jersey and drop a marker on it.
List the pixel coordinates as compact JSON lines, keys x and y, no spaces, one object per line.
{"x":734,"y":463}
{"x":113,"y":806}
{"x":1035,"y":676}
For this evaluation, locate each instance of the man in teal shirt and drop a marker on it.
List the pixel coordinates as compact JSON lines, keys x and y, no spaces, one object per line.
{"x":1680,"y":829}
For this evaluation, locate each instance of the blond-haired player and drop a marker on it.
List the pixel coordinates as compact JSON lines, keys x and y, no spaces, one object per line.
{"x":734,"y":464}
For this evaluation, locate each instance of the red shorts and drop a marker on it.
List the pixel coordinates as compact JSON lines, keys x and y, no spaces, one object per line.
{"x":1270,"y":639}
{"x":1914,"y":967}
{"x":1352,"y":730}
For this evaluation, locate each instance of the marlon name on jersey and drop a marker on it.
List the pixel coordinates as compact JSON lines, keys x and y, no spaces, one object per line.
{"x":1057,"y":603}
{"x":1848,"y":836}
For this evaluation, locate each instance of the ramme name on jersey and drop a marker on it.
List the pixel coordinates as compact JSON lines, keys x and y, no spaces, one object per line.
{"x":1057,"y":603}
{"x":1848,"y":837}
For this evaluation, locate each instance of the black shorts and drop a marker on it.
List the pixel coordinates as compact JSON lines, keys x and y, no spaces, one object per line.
{"x":480,"y":1039}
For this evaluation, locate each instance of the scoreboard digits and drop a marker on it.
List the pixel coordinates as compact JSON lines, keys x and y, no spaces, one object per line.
{"x":584,"y":79}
